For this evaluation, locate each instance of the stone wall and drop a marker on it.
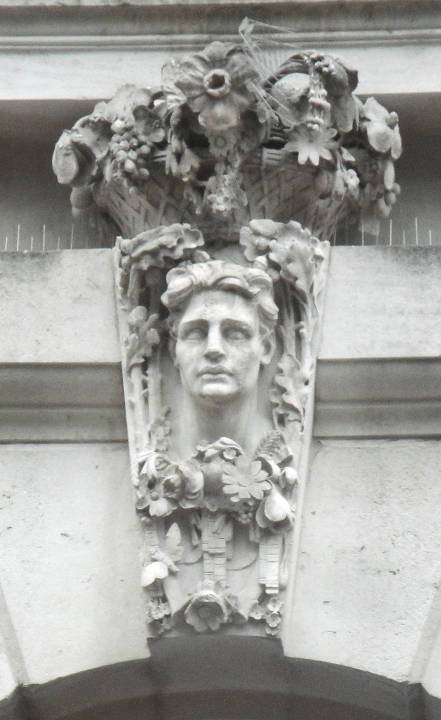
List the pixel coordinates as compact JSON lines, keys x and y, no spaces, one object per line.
{"x":367,"y":576}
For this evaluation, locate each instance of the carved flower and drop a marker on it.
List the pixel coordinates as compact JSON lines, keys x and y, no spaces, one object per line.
{"x":158,"y":613}
{"x":218,"y":85}
{"x":209,"y":608}
{"x":158,"y":610}
{"x":185,"y":484}
{"x":269,"y":611}
{"x":152,"y":498}
{"x":167,"y":484}
{"x":257,"y":612}
{"x":312,"y":142}
{"x":381,"y":127}
{"x":245,"y":480}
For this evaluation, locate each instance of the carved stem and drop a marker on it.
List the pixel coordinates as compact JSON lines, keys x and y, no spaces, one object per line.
{"x":214,"y":546}
{"x":154,"y":377}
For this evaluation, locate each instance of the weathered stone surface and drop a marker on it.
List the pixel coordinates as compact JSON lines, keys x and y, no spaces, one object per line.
{"x":57,"y":307}
{"x":382,"y":302}
{"x":69,"y":542}
{"x":368,"y":569}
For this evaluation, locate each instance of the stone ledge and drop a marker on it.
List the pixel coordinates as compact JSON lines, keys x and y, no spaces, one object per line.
{"x":377,"y":398}
{"x":113,"y":37}
{"x":61,"y":403}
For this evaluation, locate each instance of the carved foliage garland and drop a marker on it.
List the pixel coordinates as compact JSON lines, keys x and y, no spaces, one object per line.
{"x":221,"y":513}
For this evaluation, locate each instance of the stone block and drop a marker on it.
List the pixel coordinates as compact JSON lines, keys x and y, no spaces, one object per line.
{"x":69,"y":542}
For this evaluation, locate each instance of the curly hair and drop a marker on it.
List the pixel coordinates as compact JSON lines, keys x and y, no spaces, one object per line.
{"x":252,"y":284}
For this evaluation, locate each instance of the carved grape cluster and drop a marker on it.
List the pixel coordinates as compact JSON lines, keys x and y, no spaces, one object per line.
{"x":245,"y":513}
{"x":130,"y":152}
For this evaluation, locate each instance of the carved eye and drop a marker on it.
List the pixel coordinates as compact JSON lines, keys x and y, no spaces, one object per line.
{"x":195,"y":334}
{"x":236,"y":333}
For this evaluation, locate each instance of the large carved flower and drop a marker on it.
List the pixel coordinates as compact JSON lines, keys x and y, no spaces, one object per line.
{"x":185,"y":484}
{"x":218,"y":85}
{"x":155,"y":503}
{"x":167,"y":485}
{"x":245,"y":480}
{"x":312,"y":143}
{"x":209,"y":608}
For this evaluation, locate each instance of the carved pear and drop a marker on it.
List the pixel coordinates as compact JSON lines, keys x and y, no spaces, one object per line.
{"x":276,"y":507}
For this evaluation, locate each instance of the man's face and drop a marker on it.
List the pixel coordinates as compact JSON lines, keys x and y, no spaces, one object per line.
{"x":219,"y":348}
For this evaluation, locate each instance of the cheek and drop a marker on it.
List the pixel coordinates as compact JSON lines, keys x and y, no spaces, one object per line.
{"x":185,"y":354}
{"x":247,"y":359}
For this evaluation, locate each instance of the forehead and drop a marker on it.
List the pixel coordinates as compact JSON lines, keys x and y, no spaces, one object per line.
{"x":218,"y":305}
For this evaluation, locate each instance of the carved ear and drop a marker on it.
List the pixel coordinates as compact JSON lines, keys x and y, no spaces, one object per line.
{"x":269,"y":346}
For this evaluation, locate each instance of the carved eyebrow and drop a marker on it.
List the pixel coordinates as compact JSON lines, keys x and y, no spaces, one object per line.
{"x":238,"y":324}
{"x":187,"y":325}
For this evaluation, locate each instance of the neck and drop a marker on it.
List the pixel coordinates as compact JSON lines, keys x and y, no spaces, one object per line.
{"x":237,"y":419}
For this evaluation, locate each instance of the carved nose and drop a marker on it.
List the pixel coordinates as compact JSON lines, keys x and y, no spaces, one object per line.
{"x":214,"y":349}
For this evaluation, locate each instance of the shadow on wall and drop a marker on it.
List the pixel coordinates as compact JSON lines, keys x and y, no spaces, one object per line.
{"x":234,"y":678}
{"x":35,"y":212}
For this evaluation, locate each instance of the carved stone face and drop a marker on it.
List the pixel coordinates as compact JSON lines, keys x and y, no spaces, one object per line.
{"x":219,"y":347}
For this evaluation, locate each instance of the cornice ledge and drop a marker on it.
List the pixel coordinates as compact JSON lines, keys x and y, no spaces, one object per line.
{"x":159,"y":40}
{"x":378,"y":398}
{"x":110,"y":24}
{"x":197,"y":3}
{"x":61,"y":402}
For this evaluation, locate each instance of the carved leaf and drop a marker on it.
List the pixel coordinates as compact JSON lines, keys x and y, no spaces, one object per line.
{"x":143,"y":336}
{"x":173,"y":545}
{"x":162,"y":247}
{"x":288,"y":392}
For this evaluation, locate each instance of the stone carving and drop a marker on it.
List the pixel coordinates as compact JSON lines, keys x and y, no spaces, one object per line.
{"x":216,"y":459}
{"x":225,"y":186}
{"x":226,"y":144}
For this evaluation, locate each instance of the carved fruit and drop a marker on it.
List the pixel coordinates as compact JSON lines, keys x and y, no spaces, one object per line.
{"x":154,"y":571}
{"x":276,"y":507}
